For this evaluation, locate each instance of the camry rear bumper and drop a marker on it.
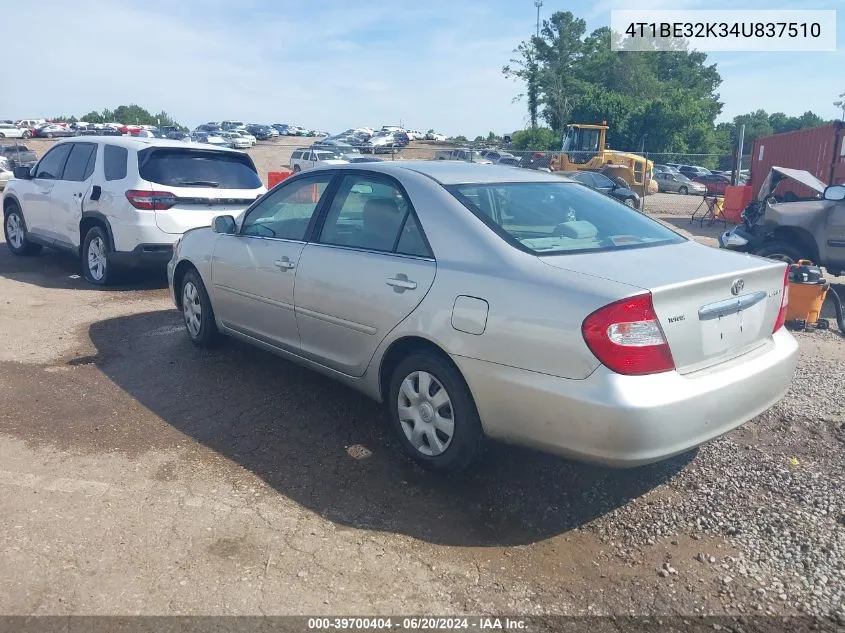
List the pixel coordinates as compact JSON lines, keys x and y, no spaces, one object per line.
{"x":626,"y":421}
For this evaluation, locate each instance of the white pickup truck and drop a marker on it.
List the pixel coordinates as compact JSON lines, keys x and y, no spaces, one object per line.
{"x":461,"y":153}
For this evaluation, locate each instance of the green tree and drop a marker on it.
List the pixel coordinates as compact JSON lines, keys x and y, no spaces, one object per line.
{"x":759,"y":123}
{"x":523,"y":67}
{"x":131,"y":114}
{"x":756,"y":125}
{"x":539,"y":138}
{"x":782,"y":123}
{"x":92,"y":117}
{"x":663,"y":101}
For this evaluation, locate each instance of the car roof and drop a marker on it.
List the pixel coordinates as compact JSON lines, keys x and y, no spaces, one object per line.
{"x":458,"y":172}
{"x":137,"y":142}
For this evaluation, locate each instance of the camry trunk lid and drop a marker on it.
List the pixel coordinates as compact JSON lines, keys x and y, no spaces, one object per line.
{"x":189,"y":186}
{"x":712,"y":305}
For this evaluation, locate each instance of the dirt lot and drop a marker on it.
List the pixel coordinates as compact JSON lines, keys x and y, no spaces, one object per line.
{"x":139,"y":474}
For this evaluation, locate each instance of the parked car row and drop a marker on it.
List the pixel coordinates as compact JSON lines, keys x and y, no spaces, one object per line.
{"x":691,"y":179}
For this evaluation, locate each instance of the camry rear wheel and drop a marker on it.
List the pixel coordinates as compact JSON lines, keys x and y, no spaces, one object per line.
{"x":197,"y":312}
{"x":433,"y":413}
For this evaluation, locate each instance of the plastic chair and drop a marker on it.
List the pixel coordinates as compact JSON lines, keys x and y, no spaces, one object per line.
{"x":711,"y":208}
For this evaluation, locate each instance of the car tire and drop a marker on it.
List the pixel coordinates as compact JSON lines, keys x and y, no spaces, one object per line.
{"x":683,"y":190}
{"x":415,"y":406}
{"x":2,"y":135}
{"x":297,"y":169}
{"x":95,"y":257}
{"x":782,"y":251}
{"x":27,"y":134}
{"x":14,"y":230}
{"x":197,"y":313}
{"x":49,"y":135}
{"x":630,"y":202}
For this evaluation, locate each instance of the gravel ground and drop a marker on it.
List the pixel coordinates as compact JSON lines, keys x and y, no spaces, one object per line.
{"x":775,"y":488}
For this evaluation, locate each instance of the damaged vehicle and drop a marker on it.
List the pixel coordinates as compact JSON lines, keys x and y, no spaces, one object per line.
{"x":788,"y":231}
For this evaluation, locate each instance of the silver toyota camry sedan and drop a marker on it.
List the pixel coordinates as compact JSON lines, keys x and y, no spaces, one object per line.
{"x":483,"y":300}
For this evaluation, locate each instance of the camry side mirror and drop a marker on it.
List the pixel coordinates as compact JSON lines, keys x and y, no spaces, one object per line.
{"x":834,"y":192}
{"x":23,"y":173}
{"x":224,"y":224}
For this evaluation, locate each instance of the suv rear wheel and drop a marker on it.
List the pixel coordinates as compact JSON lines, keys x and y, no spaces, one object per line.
{"x":95,"y":257}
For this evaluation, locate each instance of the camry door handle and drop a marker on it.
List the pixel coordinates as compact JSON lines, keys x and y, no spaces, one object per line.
{"x":284,"y":264}
{"x":401,"y":283}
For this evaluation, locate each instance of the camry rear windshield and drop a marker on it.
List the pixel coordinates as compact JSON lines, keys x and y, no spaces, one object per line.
{"x":547,"y":218}
{"x":184,"y":167}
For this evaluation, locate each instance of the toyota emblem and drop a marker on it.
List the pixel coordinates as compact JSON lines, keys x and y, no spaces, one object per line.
{"x":737,"y":286}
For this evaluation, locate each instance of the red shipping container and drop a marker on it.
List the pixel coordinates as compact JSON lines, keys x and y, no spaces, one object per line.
{"x":275,"y":177}
{"x":819,"y":151}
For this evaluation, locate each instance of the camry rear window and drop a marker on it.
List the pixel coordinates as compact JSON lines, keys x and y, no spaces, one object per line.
{"x":548,"y":218}
{"x":178,"y":167}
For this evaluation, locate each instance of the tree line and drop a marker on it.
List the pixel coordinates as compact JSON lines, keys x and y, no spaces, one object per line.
{"x":131,"y":114}
{"x":661,"y":101}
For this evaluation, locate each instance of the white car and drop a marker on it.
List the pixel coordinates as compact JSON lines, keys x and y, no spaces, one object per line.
{"x":210,"y":139}
{"x":306,"y":158}
{"x":7,"y":130}
{"x":123,"y":201}
{"x":5,"y":172}
{"x":246,"y":135}
{"x":435,"y":136}
{"x":30,"y":123}
{"x":236,"y":140}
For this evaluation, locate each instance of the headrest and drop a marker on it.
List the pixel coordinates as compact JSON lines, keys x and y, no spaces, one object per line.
{"x":577,"y":229}
{"x":380,"y":205}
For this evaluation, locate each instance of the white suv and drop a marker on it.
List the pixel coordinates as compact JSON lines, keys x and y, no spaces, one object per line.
{"x":7,"y":130}
{"x":123,"y":201}
{"x":307,"y":158}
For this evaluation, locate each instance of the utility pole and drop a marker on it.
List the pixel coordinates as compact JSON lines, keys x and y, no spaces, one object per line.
{"x":737,"y":170}
{"x":538,"y":4}
{"x":841,"y":104}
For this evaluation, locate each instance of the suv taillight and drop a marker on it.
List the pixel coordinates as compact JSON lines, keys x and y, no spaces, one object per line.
{"x":784,"y":302}
{"x":627,"y":338}
{"x":151,"y":200}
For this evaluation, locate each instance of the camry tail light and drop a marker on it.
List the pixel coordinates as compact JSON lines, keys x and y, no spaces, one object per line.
{"x":627,"y":338}
{"x":151,"y":200}
{"x":784,"y":302}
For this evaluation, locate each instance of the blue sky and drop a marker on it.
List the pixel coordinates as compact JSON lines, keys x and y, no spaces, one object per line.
{"x":333,"y":64}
